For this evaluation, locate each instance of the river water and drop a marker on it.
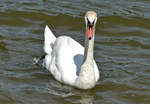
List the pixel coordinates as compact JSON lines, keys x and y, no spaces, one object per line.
{"x":122,"y":50}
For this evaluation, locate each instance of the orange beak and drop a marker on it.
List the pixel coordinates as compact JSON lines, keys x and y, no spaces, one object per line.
{"x":90,"y":32}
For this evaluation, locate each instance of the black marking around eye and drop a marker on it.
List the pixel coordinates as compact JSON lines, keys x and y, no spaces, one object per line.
{"x":88,"y":21}
{"x":93,"y":22}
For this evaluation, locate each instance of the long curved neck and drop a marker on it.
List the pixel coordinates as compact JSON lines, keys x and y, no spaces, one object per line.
{"x":88,"y":51}
{"x":86,"y":77}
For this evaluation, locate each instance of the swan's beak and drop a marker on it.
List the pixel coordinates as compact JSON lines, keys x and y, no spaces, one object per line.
{"x":90,"y":31}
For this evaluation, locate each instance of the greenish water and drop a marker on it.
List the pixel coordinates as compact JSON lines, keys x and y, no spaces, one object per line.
{"x":122,"y":50}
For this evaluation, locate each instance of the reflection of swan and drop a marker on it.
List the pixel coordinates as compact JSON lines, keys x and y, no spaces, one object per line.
{"x":68,"y":93}
{"x":86,"y":99}
{"x":68,"y":61}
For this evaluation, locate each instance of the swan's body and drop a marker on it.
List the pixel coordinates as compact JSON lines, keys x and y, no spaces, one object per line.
{"x":68,"y":61}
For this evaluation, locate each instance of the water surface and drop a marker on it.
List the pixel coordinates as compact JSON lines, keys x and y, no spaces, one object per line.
{"x":122,"y":50}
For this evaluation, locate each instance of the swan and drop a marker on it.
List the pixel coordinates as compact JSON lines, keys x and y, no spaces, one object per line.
{"x":68,"y":61}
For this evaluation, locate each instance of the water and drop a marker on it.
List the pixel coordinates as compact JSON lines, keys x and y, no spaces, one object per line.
{"x":122,"y":50}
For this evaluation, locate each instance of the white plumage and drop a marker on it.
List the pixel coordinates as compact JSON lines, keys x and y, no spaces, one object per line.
{"x":66,"y":61}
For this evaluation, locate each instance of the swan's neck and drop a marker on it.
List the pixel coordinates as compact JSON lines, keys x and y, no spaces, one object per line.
{"x":86,"y":77}
{"x":88,"y":51}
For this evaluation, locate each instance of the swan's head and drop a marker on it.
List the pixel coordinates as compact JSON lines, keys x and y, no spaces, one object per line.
{"x":90,"y":19}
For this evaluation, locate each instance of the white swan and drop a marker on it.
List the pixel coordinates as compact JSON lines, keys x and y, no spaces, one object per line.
{"x":68,"y":61}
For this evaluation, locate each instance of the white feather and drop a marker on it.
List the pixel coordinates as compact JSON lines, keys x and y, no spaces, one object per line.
{"x":49,"y":40}
{"x":65,"y":58}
